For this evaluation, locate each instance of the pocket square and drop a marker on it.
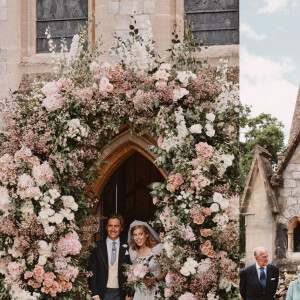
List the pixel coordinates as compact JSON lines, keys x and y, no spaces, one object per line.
{"x":273,"y":278}
{"x":127,"y":253}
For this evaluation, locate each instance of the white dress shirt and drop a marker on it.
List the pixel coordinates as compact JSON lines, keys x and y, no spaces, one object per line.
{"x":109,"y":244}
{"x":259,"y":271}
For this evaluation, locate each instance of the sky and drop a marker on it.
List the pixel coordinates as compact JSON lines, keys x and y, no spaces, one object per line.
{"x":270,"y":57}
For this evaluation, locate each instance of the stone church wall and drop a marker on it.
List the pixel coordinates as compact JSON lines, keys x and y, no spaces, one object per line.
{"x":289,"y":194}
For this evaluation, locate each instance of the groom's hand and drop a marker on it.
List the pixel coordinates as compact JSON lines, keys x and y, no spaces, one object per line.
{"x":96,"y":298}
{"x":128,"y":298}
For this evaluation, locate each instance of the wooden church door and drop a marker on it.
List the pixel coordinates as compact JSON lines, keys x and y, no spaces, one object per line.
{"x":127,"y":192}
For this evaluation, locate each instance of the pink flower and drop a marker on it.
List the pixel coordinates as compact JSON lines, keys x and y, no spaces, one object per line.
{"x":187,"y":296}
{"x":175,"y":181}
{"x":155,"y":200}
{"x":160,"y":85}
{"x":189,"y":234}
{"x":53,"y":102}
{"x":105,"y":85}
{"x":69,"y":244}
{"x":204,"y":151}
{"x":28,"y":274}
{"x":168,"y":292}
{"x":50,"y":88}
{"x":42,"y":173}
{"x":140,"y":271}
{"x":15,"y":269}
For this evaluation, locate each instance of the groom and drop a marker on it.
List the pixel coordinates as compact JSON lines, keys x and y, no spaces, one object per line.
{"x":106,"y":262}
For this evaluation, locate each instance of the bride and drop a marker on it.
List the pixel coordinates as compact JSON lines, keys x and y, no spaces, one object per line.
{"x":145,"y":245}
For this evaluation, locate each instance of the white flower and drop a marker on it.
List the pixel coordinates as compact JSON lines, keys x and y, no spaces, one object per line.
{"x":75,"y":129}
{"x":179,"y":93}
{"x":196,"y":128}
{"x":217,"y":197}
{"x":210,"y":117}
{"x":69,"y":202}
{"x":42,"y":260}
{"x":25,"y":181}
{"x":224,"y":204}
{"x":54,"y":193}
{"x":49,"y":229}
{"x":94,"y":66}
{"x":184,"y":77}
{"x":185,"y":271}
{"x":204,"y":265}
{"x":56,"y":218}
{"x":212,"y":296}
{"x":125,"y":246}
{"x":209,"y":130}
{"x":44,"y":214}
{"x":214,"y":207}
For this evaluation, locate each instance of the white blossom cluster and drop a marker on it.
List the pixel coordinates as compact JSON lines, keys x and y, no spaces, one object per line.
{"x":76,"y":130}
{"x":176,"y":141}
{"x":189,"y":267}
{"x":136,"y":54}
{"x":45,"y":251}
{"x":223,"y":161}
{"x":229,"y":96}
{"x":17,"y":293}
{"x":74,"y":49}
{"x":47,"y":215}
{"x":185,"y":76}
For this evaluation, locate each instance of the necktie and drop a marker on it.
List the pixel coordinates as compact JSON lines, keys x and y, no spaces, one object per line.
{"x":113,"y":253}
{"x":262,"y":278}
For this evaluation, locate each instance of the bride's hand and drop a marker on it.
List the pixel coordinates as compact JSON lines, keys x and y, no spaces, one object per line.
{"x":149,"y":281}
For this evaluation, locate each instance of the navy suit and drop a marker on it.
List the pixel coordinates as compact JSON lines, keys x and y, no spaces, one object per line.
{"x":250,"y":287}
{"x":99,"y":266}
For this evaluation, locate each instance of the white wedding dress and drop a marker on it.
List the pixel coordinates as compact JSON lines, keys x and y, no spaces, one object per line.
{"x":145,"y":293}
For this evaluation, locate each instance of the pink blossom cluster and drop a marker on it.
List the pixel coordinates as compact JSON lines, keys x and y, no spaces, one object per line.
{"x":52,"y":91}
{"x":204,"y":151}
{"x":199,"y":181}
{"x":187,"y":296}
{"x":42,"y":173}
{"x":105,"y":86}
{"x":8,"y":170}
{"x":189,"y":234}
{"x":15,"y":270}
{"x":174,"y":182}
{"x":69,"y":244}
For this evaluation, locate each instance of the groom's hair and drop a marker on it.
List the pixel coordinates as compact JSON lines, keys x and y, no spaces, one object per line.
{"x":116,"y":216}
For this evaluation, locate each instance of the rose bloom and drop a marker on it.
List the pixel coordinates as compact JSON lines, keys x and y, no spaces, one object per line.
{"x":206,"y":247}
{"x":28,"y":274}
{"x":199,"y":219}
{"x":206,"y":211}
{"x":38,"y":273}
{"x":49,"y":279}
{"x":206,"y":232}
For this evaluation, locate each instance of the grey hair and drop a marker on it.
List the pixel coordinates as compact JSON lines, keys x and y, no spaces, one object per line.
{"x":257,"y":250}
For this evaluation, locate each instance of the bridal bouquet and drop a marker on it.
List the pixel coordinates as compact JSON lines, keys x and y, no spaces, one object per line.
{"x":137,"y":273}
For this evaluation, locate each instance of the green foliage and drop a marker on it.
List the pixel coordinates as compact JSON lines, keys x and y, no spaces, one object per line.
{"x":263,"y":130}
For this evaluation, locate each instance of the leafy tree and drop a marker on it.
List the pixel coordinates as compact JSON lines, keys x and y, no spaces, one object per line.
{"x":264,"y":130}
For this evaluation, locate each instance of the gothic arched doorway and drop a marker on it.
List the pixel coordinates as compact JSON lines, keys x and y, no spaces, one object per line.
{"x":127,"y":191}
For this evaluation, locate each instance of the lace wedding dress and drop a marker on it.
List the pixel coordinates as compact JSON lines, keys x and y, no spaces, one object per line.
{"x":145,"y":293}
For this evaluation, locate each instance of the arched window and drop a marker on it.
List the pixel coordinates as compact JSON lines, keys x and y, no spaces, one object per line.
{"x":293,"y":228}
{"x":63,"y":17}
{"x":297,"y":238}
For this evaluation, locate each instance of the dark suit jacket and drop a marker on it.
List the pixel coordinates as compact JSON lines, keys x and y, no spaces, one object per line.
{"x":99,"y":266}
{"x":250,"y":288}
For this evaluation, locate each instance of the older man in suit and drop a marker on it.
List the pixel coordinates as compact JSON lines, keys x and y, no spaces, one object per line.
{"x":259,"y":281}
{"x":106,"y":263}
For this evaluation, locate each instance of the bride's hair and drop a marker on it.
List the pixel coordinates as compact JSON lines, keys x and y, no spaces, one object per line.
{"x":150,"y":241}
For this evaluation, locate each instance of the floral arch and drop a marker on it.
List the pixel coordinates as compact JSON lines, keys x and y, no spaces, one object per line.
{"x":51,"y":150}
